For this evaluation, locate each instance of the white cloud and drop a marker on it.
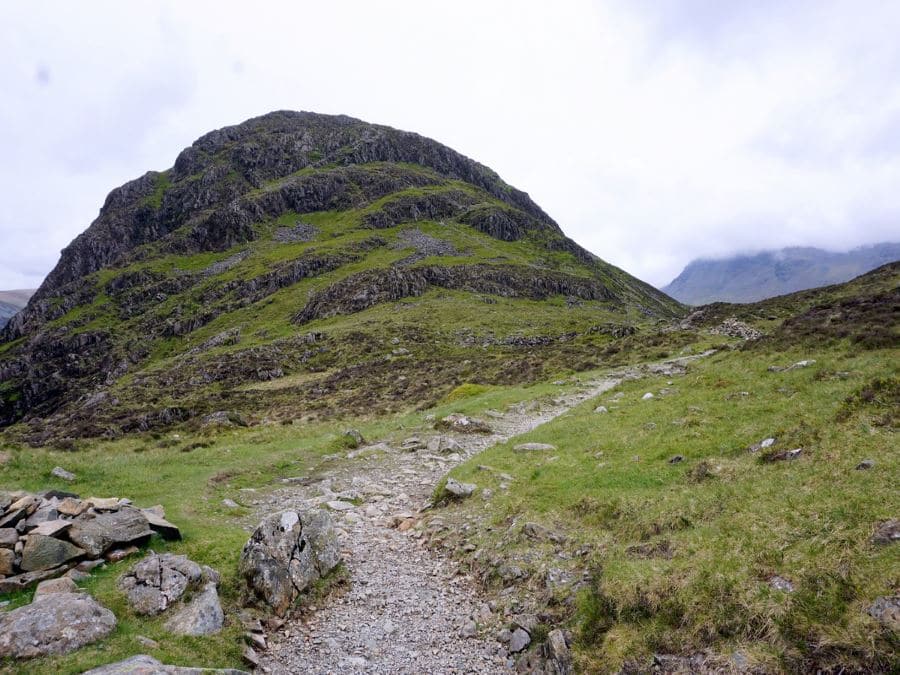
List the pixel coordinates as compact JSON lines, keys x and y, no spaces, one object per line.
{"x":652,"y":132}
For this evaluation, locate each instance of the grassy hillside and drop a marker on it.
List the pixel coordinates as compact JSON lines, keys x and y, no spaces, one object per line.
{"x":648,"y":557}
{"x":686,"y":541}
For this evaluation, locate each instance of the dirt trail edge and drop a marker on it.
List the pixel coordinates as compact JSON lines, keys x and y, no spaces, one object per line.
{"x":408,"y":609}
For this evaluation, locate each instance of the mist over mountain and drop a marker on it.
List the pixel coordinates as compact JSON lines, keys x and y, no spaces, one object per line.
{"x":11,"y":302}
{"x":750,"y":278}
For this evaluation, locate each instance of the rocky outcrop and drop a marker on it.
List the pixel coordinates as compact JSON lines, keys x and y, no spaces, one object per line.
{"x":287,"y":552}
{"x":367,"y":289}
{"x":412,"y":208}
{"x":501,"y":223}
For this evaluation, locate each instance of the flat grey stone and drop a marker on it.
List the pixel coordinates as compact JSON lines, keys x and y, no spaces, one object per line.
{"x":57,"y":623}
{"x":201,"y":616}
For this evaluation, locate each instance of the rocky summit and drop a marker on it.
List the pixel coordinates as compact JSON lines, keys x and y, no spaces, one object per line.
{"x":282,"y":261}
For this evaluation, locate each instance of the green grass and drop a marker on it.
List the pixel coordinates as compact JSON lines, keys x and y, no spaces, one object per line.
{"x":163,"y":183}
{"x":729,"y":520}
{"x":191,"y":486}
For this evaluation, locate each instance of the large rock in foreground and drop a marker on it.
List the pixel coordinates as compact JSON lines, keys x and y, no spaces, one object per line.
{"x":142,"y":664}
{"x":56,"y":623}
{"x":286,"y":553}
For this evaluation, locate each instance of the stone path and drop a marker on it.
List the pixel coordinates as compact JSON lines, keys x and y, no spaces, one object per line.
{"x":409,"y":609}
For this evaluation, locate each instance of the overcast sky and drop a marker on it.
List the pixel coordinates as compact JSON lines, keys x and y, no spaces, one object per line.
{"x":653,"y":131}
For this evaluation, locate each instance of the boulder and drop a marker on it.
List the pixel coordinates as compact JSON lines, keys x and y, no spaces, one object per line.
{"x":161,"y":526}
{"x":459,"y":490}
{"x":56,"y":623}
{"x":60,"y":585}
{"x":762,"y":445}
{"x":7,"y":562}
{"x":340,"y":505}
{"x":559,"y":658}
{"x":8,"y":537}
{"x":20,"y":582}
{"x":462,"y":424}
{"x":43,"y":514}
{"x":11,"y":517}
{"x":224,"y":418}
{"x":519,"y":640}
{"x":887,"y":533}
{"x":443,"y":445}
{"x":59,"y":472}
{"x":886,"y":610}
{"x":354,"y":438}
{"x":156,"y":582}
{"x":98,"y":534}
{"x":50,"y":528}
{"x":203,"y":615}
{"x":286,"y":553}
{"x":43,"y":553}
{"x":142,"y":664}
{"x":534,"y":447}
{"x":540,"y":533}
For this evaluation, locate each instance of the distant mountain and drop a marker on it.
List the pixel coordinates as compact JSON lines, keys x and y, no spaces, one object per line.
{"x":750,"y":278}
{"x":11,"y":302}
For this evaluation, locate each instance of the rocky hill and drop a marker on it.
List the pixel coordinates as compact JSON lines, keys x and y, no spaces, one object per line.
{"x":297,"y":266}
{"x":11,"y":302}
{"x":750,"y":278}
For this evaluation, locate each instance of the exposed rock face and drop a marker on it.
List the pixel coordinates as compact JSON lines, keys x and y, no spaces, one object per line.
{"x":367,"y":289}
{"x":286,"y":553}
{"x":55,"y":623}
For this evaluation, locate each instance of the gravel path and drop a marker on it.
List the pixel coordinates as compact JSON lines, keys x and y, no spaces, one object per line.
{"x":409,"y":609}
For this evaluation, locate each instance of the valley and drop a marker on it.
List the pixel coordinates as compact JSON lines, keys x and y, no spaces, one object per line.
{"x":532,"y":461}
